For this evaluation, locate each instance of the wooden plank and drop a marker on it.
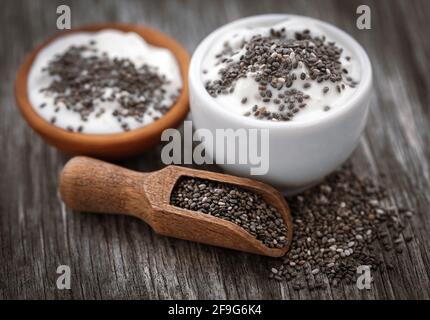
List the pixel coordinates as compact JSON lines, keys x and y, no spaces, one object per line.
{"x":120,"y":257}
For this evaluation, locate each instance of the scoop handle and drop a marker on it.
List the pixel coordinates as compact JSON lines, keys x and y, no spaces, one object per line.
{"x":92,"y":185}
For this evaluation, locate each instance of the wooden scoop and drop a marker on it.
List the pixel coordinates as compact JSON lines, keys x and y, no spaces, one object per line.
{"x":92,"y":185}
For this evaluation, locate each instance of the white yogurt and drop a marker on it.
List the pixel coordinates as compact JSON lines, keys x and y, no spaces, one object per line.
{"x":116,"y":44}
{"x":248,"y":87}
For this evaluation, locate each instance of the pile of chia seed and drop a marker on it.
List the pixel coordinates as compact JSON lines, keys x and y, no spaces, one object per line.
{"x":336,"y":228}
{"x":229,"y":202}
{"x":84,"y":79}
{"x":272,"y":61}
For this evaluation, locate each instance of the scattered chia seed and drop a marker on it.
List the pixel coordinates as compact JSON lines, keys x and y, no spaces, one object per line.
{"x":82,"y":79}
{"x":226,"y":201}
{"x":336,"y":226}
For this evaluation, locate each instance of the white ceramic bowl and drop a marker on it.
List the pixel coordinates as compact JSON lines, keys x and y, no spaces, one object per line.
{"x":300,"y":153}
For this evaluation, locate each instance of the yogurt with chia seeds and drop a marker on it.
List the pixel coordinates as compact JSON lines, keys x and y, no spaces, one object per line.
{"x":289,"y":80}
{"x":128,"y":84}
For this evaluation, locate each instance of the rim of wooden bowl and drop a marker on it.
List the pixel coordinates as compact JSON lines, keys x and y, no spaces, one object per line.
{"x":105,"y":144}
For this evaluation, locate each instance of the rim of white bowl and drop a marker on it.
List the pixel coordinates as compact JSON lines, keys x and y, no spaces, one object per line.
{"x":195,"y":82}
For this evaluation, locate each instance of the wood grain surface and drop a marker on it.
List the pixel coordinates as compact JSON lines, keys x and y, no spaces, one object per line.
{"x":118,"y":257}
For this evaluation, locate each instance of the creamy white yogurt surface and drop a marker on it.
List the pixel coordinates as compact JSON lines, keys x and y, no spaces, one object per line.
{"x":248,"y":87}
{"x":116,"y":44}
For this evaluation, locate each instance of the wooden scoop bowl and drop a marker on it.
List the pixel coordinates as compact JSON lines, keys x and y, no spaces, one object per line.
{"x":92,"y":185}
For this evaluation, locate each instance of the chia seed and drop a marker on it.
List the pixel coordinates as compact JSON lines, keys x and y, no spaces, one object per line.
{"x":336,"y":227}
{"x":82,"y":79}
{"x":273,"y":61}
{"x":245,"y":208}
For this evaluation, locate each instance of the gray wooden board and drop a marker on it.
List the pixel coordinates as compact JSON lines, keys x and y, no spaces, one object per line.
{"x":120,"y":257}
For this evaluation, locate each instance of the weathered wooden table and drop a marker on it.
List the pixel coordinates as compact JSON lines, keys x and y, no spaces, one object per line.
{"x":120,"y":257}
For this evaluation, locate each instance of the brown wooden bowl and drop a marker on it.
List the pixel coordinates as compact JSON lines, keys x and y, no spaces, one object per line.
{"x":108,"y":146}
